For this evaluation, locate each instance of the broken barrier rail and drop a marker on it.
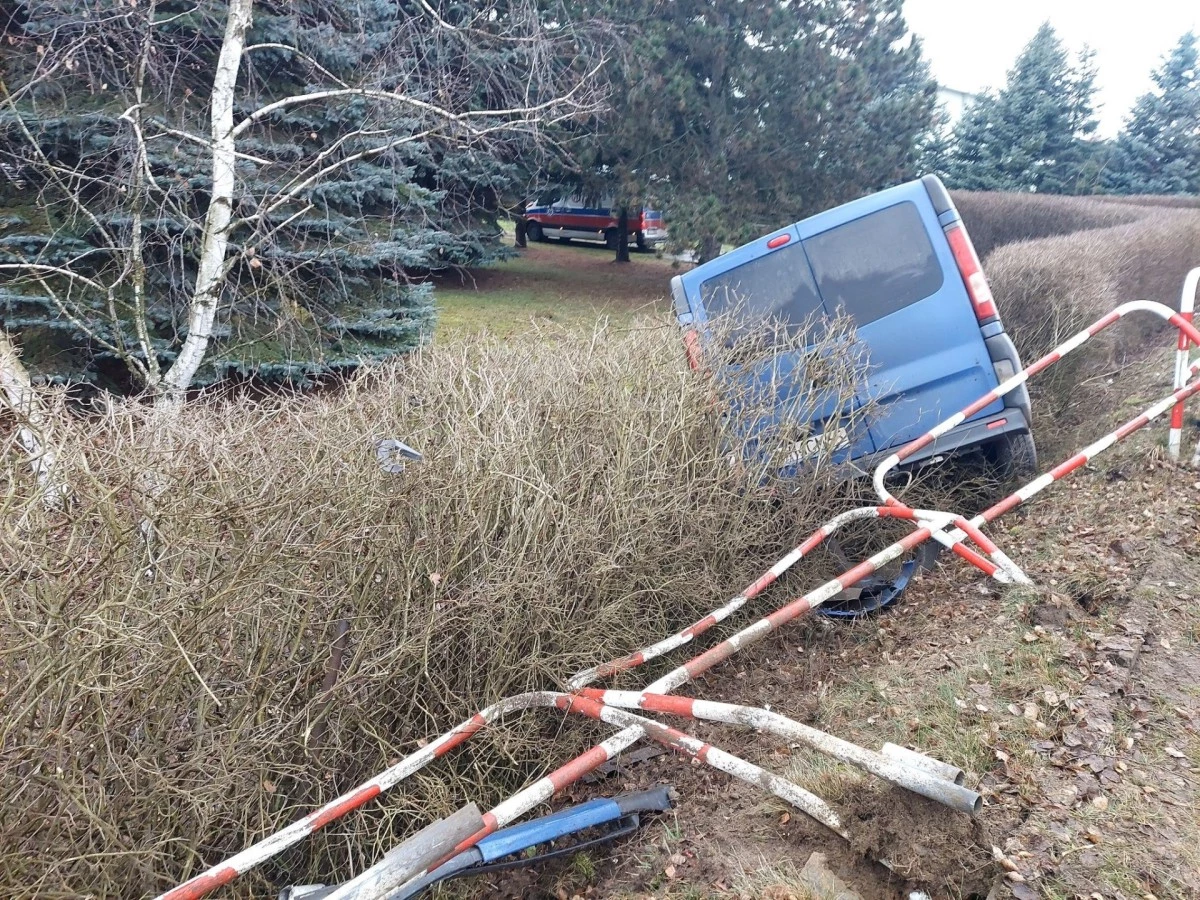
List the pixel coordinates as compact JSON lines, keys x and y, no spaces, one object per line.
{"x":906,"y":768}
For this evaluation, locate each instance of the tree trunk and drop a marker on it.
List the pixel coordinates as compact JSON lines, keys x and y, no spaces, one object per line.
{"x":33,"y":427}
{"x":214,"y":244}
{"x":710,"y":248}
{"x":521,"y":235}
{"x":623,"y":236}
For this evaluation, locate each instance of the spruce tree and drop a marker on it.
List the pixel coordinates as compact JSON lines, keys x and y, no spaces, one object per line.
{"x":739,"y":117}
{"x":338,"y":204}
{"x":1034,"y":135}
{"x":1158,"y":150}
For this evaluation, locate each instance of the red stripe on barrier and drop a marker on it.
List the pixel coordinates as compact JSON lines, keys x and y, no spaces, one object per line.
{"x":1185,"y":326}
{"x":489,"y":825}
{"x":666,"y":703}
{"x":596,"y":694}
{"x":578,"y":767}
{"x":985,"y":565}
{"x":201,"y":885}
{"x":793,"y":610}
{"x":895,"y":512}
{"x":678,"y":737}
{"x":986,"y":400}
{"x":1176,"y":418}
{"x":1048,"y":360}
{"x":1066,"y":468}
{"x":759,"y":586}
{"x":1099,"y":326}
{"x":813,"y":542}
{"x":709,"y":658}
{"x":998,"y":509}
{"x":323,"y":817}
{"x":982,"y":540}
{"x":1134,"y":424}
{"x":702,"y":753}
{"x":919,"y":444}
{"x":857,"y":574}
{"x":471,"y":729}
{"x":699,"y":627}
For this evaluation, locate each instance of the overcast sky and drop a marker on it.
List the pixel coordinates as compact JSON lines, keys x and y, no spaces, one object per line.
{"x":971,"y":45}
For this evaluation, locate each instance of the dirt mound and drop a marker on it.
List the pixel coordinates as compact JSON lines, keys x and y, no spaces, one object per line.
{"x":922,"y":841}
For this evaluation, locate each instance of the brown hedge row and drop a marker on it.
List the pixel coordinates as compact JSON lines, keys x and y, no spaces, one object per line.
{"x":162,"y":704}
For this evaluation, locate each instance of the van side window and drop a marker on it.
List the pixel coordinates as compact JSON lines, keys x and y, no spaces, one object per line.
{"x":876,"y":265}
{"x":777,"y":287}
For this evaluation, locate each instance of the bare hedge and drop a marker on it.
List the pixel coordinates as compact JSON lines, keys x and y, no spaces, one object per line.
{"x":1047,"y":288}
{"x":995,"y":219}
{"x":164,"y":703}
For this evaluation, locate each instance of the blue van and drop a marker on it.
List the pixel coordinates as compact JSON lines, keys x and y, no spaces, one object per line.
{"x":900,"y":265}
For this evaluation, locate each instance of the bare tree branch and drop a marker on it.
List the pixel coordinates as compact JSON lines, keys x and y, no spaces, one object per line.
{"x":445,"y":114}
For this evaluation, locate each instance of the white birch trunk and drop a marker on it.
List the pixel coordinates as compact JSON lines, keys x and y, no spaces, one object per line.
{"x":210,"y":275}
{"x":33,"y":428}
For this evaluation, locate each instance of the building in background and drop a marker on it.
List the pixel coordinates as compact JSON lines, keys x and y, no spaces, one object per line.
{"x":955,"y":102}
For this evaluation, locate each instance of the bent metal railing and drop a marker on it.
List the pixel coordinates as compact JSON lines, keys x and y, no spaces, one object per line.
{"x":908,"y":769}
{"x":1187,"y":310}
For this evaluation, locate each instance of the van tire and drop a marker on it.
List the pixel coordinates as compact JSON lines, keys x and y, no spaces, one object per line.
{"x":533,"y":231}
{"x":641,"y":242}
{"x":612,"y":239}
{"x":1013,"y":454}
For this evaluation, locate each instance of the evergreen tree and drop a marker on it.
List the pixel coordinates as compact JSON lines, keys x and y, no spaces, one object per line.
{"x":741,"y":116}
{"x":936,"y":145}
{"x":339,"y":201}
{"x":1158,"y":150}
{"x":1034,"y":135}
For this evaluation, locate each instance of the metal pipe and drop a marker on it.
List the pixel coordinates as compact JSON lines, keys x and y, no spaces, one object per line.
{"x":633,"y":728}
{"x":926,"y":763}
{"x":769,"y":577}
{"x":226,"y":871}
{"x":1187,"y":308}
{"x":1012,"y":383}
{"x":791,"y":793}
{"x":919,"y":780}
{"x":410,"y":858}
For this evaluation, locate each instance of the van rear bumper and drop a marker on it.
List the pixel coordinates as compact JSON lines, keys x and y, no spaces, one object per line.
{"x":972,"y":434}
{"x":1010,"y":419}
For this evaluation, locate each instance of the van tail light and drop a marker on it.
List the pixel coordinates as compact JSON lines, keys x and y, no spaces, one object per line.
{"x":972,"y":272}
{"x":691,"y":342}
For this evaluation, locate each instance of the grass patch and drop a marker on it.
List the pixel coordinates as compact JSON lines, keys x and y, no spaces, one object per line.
{"x":552,"y":284}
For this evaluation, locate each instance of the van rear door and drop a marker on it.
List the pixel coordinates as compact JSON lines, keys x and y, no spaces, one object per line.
{"x":770,"y":279}
{"x":883,"y":261}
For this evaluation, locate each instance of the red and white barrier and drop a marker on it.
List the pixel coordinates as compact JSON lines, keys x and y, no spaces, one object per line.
{"x":948,"y":528}
{"x":1187,"y":309}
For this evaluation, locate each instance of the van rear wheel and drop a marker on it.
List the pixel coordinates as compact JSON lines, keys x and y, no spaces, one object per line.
{"x":612,"y":239}
{"x":1013,"y":454}
{"x":534,"y":232}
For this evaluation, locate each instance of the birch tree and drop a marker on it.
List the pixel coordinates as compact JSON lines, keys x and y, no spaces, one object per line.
{"x":214,"y":163}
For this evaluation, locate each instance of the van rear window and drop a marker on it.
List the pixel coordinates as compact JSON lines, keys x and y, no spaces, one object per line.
{"x":778,"y":287}
{"x":876,"y":265}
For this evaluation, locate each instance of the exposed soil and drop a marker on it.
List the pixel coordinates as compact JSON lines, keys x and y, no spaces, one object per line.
{"x":922,"y":841}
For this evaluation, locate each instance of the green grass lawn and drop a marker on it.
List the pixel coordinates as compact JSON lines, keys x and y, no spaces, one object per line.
{"x":570,"y":285}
